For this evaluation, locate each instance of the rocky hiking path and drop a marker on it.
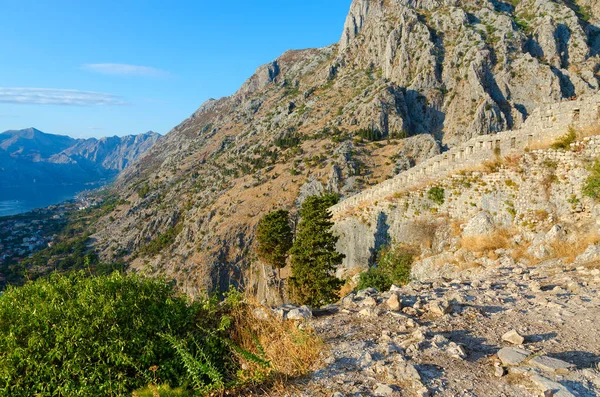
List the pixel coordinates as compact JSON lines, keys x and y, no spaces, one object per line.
{"x":509,"y":330}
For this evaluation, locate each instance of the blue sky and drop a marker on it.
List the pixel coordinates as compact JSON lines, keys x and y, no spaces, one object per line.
{"x":104,"y":67}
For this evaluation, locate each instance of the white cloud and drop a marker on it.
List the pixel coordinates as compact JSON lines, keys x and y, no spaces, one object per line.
{"x":120,"y":69}
{"x":50,"y":96}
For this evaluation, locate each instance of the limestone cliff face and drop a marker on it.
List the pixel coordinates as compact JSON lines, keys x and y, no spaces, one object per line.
{"x":449,"y":69}
{"x":469,"y":69}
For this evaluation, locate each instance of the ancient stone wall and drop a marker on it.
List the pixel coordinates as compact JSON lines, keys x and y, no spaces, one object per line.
{"x":544,"y":124}
{"x":529,"y":193}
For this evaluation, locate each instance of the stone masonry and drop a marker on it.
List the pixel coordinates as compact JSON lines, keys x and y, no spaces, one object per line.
{"x":545,"y":123}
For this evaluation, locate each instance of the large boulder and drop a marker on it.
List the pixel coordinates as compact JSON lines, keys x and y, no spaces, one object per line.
{"x":592,"y":253}
{"x":480,"y":224}
{"x":556,"y":233}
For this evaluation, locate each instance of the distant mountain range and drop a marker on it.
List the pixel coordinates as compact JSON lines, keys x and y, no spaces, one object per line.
{"x":32,"y":157}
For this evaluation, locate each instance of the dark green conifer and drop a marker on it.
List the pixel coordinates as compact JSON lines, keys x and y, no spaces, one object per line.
{"x":314,"y":258}
{"x":274,"y":236}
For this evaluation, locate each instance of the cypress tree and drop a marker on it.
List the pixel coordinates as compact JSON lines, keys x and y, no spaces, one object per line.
{"x":274,"y":236}
{"x":314,"y":258}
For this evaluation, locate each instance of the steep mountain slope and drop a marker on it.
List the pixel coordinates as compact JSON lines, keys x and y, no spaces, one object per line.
{"x":30,"y":156}
{"x":421,"y":75}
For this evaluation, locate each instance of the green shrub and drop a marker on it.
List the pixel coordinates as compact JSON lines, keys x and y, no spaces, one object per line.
{"x":373,"y":278}
{"x":161,"y":391}
{"x":565,"y":141}
{"x":143,"y":190}
{"x":98,"y":336}
{"x":591,"y":186}
{"x":437,"y":195}
{"x":392,"y":266}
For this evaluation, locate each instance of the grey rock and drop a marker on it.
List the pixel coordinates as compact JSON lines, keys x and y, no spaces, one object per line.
{"x":550,"y":364}
{"x":260,"y":313}
{"x":368,"y":302}
{"x":300,"y":313}
{"x":556,"y":233}
{"x":385,"y":390}
{"x":440,"y":307}
{"x":366,"y":359}
{"x":368,"y":312}
{"x":556,"y":389}
{"x":407,"y":372}
{"x":592,"y":253}
{"x":480,"y":224}
{"x":394,"y":303}
{"x":415,"y":150}
{"x":456,"y":351}
{"x":311,"y":188}
{"x":366,"y":292}
{"x":513,"y":337}
{"x":348,"y":300}
{"x":499,"y":371}
{"x":279,"y":313}
{"x":540,"y":251}
{"x":513,"y":355}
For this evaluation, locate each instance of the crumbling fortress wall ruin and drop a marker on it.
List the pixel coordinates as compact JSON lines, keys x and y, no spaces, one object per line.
{"x":545,"y":123}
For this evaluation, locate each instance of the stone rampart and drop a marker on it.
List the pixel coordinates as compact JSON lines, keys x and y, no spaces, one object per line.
{"x":545,"y":123}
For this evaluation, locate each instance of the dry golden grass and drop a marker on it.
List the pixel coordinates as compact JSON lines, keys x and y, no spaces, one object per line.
{"x":570,"y":250}
{"x":581,"y":133}
{"x":455,"y":227}
{"x":349,"y":285}
{"x":291,"y":351}
{"x":512,"y":162}
{"x":592,"y":265}
{"x":498,"y":239}
{"x":545,"y":143}
{"x":589,"y":131}
{"x":423,"y":230}
{"x":520,"y":252}
{"x":491,"y":166}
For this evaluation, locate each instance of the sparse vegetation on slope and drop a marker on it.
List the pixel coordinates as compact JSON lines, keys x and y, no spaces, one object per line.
{"x":591,"y":187}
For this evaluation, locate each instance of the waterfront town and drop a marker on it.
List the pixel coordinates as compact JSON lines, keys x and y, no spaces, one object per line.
{"x":24,"y":234}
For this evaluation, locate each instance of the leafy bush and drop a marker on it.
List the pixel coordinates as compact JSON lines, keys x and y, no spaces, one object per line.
{"x":436,"y":194}
{"x":392,"y":267}
{"x":162,"y":391}
{"x":591,"y":187}
{"x":373,"y":278}
{"x":81,"y":336}
{"x":565,"y":141}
